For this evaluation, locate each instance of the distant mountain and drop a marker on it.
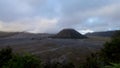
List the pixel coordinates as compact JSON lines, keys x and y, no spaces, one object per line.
{"x":102,"y":34}
{"x":69,"y":34}
{"x":7,"y":34}
{"x":19,"y":35}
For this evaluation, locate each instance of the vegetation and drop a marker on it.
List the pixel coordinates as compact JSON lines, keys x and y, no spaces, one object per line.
{"x":109,"y":54}
{"x":93,"y":61}
{"x":10,"y":60}
{"x":113,"y":66}
{"x":5,"y":56}
{"x":59,"y":65}
{"x":111,"y":50}
{"x":25,"y":61}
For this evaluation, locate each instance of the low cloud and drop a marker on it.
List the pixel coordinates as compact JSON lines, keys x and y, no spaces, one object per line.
{"x":34,"y":25}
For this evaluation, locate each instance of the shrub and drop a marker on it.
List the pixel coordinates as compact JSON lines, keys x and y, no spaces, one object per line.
{"x":25,"y":61}
{"x":5,"y":55}
{"x":59,"y":65}
{"x":11,"y":60}
{"x":111,"y":50}
{"x":93,"y":61}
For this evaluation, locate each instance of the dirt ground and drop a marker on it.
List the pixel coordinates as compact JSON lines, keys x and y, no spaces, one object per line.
{"x":55,"y":49}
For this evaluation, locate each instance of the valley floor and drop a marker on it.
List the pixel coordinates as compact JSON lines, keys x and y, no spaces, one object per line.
{"x":55,"y":49}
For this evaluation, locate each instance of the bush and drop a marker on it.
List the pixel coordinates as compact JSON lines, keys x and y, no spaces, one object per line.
{"x":110,"y":53}
{"x":25,"y":61}
{"x":10,"y":60}
{"x":5,"y":56}
{"x":111,"y":50}
{"x":59,"y":65}
{"x":93,"y":61}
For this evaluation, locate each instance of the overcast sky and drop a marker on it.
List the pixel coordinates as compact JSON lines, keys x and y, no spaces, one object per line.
{"x":50,"y":16}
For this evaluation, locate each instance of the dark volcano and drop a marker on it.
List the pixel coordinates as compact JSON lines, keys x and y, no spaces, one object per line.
{"x":69,"y":34}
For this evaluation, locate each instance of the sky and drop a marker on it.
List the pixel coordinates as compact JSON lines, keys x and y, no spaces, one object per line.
{"x":51,"y":16}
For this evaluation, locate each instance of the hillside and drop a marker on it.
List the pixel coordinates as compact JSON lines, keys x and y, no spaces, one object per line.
{"x":7,"y":34}
{"x":102,"y":34}
{"x":21,"y":35}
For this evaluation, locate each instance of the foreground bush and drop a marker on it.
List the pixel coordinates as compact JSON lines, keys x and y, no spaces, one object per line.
{"x":10,"y":60}
{"x":111,"y":50}
{"x":109,"y":54}
{"x":93,"y":61}
{"x":25,"y":61}
{"x":5,"y":55}
{"x":58,"y":65}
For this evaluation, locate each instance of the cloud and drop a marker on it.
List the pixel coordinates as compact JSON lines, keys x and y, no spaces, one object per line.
{"x":53,"y":15}
{"x":85,"y":31}
{"x":107,"y":17}
{"x":77,"y":13}
{"x":36,"y":25}
{"x":19,"y":9}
